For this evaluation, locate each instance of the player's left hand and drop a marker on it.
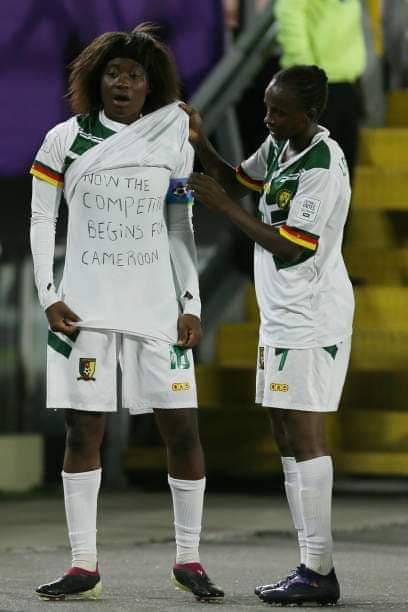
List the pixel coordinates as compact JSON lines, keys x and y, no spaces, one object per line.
{"x":189,"y":331}
{"x":209,"y":192}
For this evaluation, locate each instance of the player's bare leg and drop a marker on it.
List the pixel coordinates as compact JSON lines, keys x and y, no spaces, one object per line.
{"x":81,"y":477}
{"x":179,"y":430}
{"x":84,"y":436}
{"x":185,"y":461}
{"x":306,"y":433}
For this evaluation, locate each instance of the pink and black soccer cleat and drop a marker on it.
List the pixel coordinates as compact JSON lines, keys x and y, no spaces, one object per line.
{"x":192,"y":577}
{"x":76,"y":583}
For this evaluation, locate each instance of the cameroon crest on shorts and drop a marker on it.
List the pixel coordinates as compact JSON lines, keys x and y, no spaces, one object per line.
{"x":87,"y":368}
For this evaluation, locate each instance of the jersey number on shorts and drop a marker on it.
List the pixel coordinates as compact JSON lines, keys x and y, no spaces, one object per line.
{"x":283,"y":353}
{"x":178,"y":358}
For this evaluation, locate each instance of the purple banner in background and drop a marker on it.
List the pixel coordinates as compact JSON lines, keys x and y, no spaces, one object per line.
{"x":39,"y":38}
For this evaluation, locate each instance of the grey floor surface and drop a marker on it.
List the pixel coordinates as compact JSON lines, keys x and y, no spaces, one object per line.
{"x":247,"y":540}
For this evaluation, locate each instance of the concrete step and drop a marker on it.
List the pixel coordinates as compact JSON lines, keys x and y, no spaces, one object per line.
{"x":380,"y":229}
{"x":371,"y":463}
{"x":264,"y":461}
{"x":239,"y":443}
{"x":374,"y":349}
{"x":218,"y":386}
{"x":384,"y":147}
{"x":380,"y":188}
{"x":397,"y":104}
{"x":377,"y":308}
{"x":381,"y":307}
{"x":374,"y":431}
{"x":378,"y":266}
{"x":235,"y":387}
{"x":22,"y":461}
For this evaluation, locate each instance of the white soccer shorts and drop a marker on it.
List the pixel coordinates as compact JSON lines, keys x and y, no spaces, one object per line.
{"x":302,"y":379}
{"x":82,"y":373}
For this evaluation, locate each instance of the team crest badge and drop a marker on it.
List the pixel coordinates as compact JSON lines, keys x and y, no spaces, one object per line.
{"x":87,"y":368}
{"x":283,"y":196}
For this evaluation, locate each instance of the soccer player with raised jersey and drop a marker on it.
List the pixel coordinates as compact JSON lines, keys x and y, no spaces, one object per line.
{"x":129,"y":292}
{"x":305,"y":300}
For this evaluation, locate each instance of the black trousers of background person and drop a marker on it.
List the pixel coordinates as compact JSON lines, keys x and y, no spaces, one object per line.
{"x":342,"y":117}
{"x":344,"y":111}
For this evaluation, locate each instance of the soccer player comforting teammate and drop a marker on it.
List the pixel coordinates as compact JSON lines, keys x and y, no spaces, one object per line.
{"x":129,"y":292}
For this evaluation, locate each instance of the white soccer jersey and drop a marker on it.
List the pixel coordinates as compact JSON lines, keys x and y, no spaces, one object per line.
{"x":127,"y":236}
{"x":308,"y":303}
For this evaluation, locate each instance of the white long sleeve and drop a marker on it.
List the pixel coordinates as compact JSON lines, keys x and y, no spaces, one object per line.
{"x":184,"y":257}
{"x":45,"y":204}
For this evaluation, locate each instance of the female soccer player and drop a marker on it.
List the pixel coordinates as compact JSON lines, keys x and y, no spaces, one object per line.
{"x":305,"y":299}
{"x":129,"y":292}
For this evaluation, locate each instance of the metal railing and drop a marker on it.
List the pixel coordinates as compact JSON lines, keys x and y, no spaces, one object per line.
{"x":224,"y":87}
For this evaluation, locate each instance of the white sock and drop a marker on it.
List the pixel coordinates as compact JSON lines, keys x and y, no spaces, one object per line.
{"x":316,"y":484}
{"x":188,"y":497}
{"x":292,"y":488}
{"x":81,"y":497}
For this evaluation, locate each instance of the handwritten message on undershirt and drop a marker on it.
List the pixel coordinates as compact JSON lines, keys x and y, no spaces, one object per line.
{"x":119,"y":211}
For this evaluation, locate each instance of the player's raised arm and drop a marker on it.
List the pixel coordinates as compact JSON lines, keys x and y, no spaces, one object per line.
{"x":223,"y":172}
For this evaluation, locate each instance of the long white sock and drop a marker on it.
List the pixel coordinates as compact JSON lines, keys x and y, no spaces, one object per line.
{"x":81,"y":497}
{"x":292,"y":488}
{"x":188,"y":497}
{"x":316,"y":485}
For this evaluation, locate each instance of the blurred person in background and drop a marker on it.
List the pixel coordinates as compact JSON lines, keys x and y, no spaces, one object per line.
{"x":305,"y":300}
{"x":395,"y":31}
{"x":329,"y":33}
{"x":129,"y":292}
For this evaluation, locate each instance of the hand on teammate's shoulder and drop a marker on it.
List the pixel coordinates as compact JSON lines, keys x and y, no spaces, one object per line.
{"x":195,"y":123}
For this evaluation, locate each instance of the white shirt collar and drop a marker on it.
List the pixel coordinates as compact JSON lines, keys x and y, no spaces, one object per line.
{"x":321,"y":134}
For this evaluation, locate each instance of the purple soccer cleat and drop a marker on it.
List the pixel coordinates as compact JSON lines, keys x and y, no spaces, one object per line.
{"x":303,"y":586}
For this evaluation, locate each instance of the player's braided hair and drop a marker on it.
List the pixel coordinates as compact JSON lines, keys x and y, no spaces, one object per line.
{"x":309,"y":84}
{"x":141,"y":45}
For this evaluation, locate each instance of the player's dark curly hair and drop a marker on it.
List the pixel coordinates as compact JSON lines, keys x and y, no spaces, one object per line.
{"x":309,"y":84}
{"x":141,"y":45}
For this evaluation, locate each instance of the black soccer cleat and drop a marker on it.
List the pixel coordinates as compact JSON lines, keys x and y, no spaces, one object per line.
{"x":192,"y":577}
{"x":304,"y":586}
{"x":275,"y":585}
{"x":76,"y":583}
